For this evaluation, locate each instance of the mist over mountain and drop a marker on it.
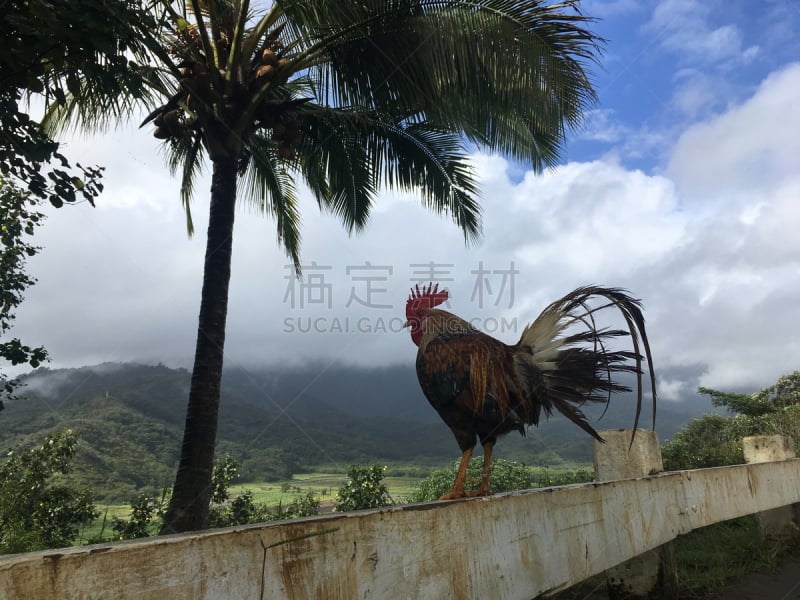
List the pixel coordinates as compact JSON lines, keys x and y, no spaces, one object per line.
{"x":276,"y":422}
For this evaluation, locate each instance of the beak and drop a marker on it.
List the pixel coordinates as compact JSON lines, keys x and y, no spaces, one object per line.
{"x":407,"y":324}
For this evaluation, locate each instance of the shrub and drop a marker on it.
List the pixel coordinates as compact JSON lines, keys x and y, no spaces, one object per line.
{"x":36,"y":510}
{"x":505,"y":476}
{"x":364,"y":489}
{"x":547,"y":478}
{"x":147,"y":513}
{"x":705,"y":442}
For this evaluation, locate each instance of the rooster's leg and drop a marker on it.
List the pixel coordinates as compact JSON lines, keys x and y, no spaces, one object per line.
{"x":458,"y":486}
{"x":487,"y":468}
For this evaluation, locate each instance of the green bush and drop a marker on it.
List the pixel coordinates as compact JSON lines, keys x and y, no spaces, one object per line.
{"x":147,"y":514}
{"x":710,"y":441}
{"x":242,"y":510}
{"x":715,"y":440}
{"x":548,"y":478}
{"x":363,"y":489}
{"x":239,"y":511}
{"x":37,"y":511}
{"x":505,"y":476}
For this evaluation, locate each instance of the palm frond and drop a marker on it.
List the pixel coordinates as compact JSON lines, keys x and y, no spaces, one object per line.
{"x":334,"y":151}
{"x":270,"y":188}
{"x":98,"y":106}
{"x":346,"y":149}
{"x":184,"y":155}
{"x":490,"y":68}
{"x":422,"y":158}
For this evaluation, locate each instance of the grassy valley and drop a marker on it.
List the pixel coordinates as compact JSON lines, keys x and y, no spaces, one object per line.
{"x":276,"y":424}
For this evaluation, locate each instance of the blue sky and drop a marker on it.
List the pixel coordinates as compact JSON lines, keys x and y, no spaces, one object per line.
{"x":672,"y":63}
{"x":683,"y":187}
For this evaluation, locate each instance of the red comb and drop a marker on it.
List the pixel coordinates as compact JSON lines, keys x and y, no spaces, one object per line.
{"x":427,"y":297}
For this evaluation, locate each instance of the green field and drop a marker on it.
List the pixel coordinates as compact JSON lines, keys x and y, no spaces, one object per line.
{"x":323,"y":485}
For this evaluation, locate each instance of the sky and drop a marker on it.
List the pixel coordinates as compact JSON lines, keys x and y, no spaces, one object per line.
{"x":683,"y":187}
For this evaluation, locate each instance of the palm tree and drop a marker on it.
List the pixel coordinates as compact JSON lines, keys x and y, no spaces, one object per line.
{"x":344,"y":97}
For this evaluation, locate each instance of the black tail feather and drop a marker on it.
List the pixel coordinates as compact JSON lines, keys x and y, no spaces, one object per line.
{"x":565,"y":369}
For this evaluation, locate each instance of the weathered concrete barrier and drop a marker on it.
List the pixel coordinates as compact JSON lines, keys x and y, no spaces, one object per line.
{"x":653,"y":574}
{"x":780,"y":522}
{"x":514,"y":545}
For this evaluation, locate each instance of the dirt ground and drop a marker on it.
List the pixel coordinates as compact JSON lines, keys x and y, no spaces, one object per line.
{"x":783,"y":584}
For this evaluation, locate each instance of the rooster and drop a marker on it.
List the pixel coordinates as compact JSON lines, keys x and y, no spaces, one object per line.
{"x":483,"y":388}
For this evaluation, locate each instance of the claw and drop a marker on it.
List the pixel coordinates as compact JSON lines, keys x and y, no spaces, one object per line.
{"x":454,"y":495}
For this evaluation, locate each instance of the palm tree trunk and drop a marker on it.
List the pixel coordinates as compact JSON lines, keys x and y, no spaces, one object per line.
{"x":188,"y":507}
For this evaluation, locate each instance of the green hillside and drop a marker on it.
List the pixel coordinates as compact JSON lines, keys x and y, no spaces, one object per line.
{"x":274,"y":423}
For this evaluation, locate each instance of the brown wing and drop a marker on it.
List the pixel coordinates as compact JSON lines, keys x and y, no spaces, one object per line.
{"x":464,"y":374}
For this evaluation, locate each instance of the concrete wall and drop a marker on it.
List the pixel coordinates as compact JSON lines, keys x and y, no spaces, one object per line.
{"x":783,"y":522}
{"x":514,"y":545}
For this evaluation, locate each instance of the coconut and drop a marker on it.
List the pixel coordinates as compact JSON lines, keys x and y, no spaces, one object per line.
{"x":267,"y":71}
{"x":268,"y":57}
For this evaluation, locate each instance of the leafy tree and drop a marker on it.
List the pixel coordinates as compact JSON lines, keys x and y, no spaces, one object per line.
{"x":715,"y":440}
{"x":506,"y":476}
{"x":549,"y":478}
{"x":783,"y":393}
{"x":303,"y":506}
{"x":345,"y":97}
{"x":225,"y":471}
{"x":363,"y":489}
{"x":240,"y":511}
{"x":55,"y":48}
{"x":745,"y":404}
{"x":18,"y":218}
{"x":37,"y":511}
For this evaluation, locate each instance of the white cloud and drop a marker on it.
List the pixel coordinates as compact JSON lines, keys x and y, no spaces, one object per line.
{"x":585,"y":205}
{"x":736,"y":277}
{"x":735,"y":156}
{"x":610,"y":8}
{"x":695,"y":93}
{"x":685,"y":28}
{"x":602,"y":125}
{"x":710,"y":245}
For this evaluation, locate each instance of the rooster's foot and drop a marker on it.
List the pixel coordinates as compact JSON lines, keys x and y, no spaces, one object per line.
{"x":454,"y":495}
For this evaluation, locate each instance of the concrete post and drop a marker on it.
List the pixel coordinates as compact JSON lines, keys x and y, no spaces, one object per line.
{"x":779,"y":522}
{"x":654,"y":573}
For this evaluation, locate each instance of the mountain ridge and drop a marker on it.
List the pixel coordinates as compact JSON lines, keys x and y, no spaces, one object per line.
{"x":274,"y":422}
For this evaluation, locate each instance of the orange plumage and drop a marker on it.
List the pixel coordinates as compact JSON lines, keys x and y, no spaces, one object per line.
{"x":483,"y":388}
